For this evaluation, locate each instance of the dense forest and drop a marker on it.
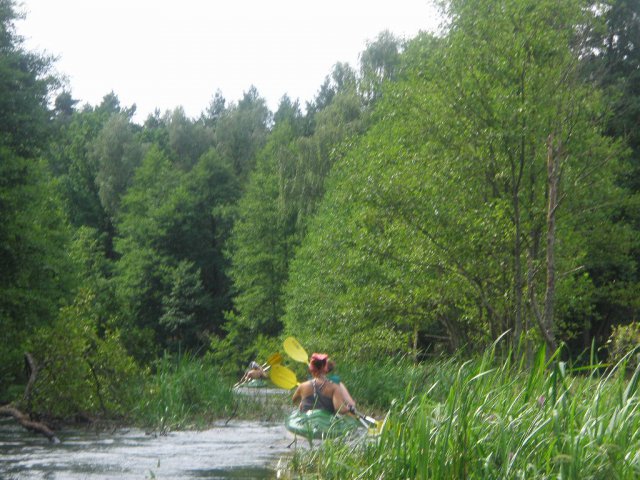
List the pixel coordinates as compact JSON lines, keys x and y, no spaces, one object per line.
{"x":450,"y":188}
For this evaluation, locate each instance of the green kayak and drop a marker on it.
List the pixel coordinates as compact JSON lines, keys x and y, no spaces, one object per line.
{"x":255,"y":383}
{"x":318,"y":424}
{"x":258,"y":388}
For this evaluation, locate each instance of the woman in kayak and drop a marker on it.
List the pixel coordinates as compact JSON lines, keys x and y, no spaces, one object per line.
{"x":255,"y":372}
{"x":320,"y":392}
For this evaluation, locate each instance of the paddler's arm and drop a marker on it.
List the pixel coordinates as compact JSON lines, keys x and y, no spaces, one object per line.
{"x":297,"y":395}
{"x":340,"y":403}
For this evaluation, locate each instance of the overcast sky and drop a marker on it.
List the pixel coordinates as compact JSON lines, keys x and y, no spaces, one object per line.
{"x":168,"y":53}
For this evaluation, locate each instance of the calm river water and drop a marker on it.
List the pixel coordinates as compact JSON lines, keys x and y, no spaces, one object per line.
{"x":240,"y":450}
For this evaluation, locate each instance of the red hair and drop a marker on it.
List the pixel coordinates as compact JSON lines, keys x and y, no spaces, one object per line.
{"x":318,"y":364}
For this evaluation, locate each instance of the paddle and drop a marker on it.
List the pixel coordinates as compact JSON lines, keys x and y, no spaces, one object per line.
{"x":273,"y":360}
{"x":293,"y":348}
{"x":283,"y":377}
{"x":374,"y":426}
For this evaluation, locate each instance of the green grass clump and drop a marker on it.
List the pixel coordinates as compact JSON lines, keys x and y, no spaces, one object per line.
{"x":487,"y":418}
{"x":183,"y":392}
{"x":377,"y":384}
{"x":188,"y":392}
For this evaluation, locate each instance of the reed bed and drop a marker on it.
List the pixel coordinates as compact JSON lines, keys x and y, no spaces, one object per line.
{"x":183,"y":392}
{"x":186,"y":392}
{"x":492,"y":419}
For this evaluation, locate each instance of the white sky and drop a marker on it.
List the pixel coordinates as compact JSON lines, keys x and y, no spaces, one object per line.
{"x":168,"y":53}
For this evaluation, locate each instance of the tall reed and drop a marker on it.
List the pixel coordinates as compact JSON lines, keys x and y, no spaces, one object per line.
{"x":500,"y":420}
{"x":184,"y":391}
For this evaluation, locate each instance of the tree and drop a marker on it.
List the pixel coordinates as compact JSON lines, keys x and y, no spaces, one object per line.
{"x":455,"y":170}
{"x":171,"y":234}
{"x":188,"y":140}
{"x":65,"y":105}
{"x":241,"y":132}
{"x":78,"y":144}
{"x":117,"y":154}
{"x":36,"y":274}
{"x":140,"y":270}
{"x":613,"y":60}
{"x":281,"y":196}
{"x":379,"y":63}
{"x":215,"y":110}
{"x":261,"y":242}
{"x":184,"y":305}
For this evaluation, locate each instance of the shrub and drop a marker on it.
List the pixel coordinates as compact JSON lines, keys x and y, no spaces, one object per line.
{"x":625,"y":339}
{"x":80,"y":370}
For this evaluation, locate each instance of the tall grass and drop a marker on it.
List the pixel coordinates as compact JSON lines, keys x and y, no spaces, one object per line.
{"x":376,"y":384}
{"x":186,"y":392}
{"x":499,"y":420}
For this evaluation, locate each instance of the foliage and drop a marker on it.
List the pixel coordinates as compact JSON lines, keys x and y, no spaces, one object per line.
{"x":379,"y":63}
{"x":79,"y":157}
{"x":377,"y":384}
{"x":262,"y":240}
{"x":613,"y":60}
{"x":452,"y":171}
{"x":36,"y":276}
{"x":172,"y":273}
{"x":117,"y":154}
{"x":623,"y":345}
{"x":25,"y":82}
{"x":80,"y":370}
{"x":183,"y":390}
{"x":496,"y":419}
{"x":241,"y":131}
{"x":406,"y":211}
{"x":281,"y":195}
{"x":182,"y":305}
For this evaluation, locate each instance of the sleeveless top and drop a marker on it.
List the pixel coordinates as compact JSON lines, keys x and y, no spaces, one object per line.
{"x":317,"y":400}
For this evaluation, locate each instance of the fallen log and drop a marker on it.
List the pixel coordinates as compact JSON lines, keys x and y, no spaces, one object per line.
{"x":22,"y":419}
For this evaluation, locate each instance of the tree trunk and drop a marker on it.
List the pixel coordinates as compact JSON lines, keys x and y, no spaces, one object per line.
{"x":553,"y":175}
{"x":21,"y":418}
{"x":415,"y":342}
{"x":32,"y":370}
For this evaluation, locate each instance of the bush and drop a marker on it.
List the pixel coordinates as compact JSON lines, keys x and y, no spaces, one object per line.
{"x":81,"y":371}
{"x":625,"y":339}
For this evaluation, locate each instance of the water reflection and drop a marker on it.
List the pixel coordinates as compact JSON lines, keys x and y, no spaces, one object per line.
{"x":241,"y":450}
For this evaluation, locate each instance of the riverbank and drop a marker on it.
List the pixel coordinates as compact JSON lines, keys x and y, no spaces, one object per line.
{"x":493,"y":418}
{"x":485,"y":417}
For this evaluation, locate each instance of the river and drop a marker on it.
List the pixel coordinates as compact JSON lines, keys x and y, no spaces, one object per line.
{"x":240,"y":450}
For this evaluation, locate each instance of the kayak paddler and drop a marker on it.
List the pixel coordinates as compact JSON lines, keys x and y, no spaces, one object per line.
{"x":320,"y":392}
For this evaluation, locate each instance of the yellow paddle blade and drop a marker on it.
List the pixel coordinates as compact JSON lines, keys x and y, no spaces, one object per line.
{"x":295,"y":350}
{"x":379,"y":426}
{"x":283,"y":377}
{"x":376,"y":428}
{"x":275,"y":358}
